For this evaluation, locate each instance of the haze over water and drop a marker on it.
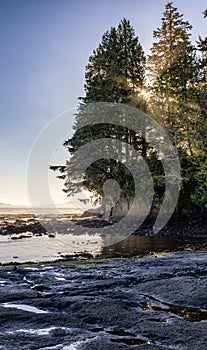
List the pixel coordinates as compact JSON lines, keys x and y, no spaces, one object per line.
{"x":29,"y":246}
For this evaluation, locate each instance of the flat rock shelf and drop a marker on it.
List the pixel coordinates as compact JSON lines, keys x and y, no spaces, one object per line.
{"x":153,"y":302}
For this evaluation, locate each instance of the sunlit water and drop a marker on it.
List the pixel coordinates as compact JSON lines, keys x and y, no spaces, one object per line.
{"x":45,"y":248}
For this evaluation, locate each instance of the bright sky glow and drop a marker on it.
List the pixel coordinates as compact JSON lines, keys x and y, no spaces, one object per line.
{"x":45,"y":46}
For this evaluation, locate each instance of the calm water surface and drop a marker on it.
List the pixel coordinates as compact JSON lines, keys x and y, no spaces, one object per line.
{"x":44,"y":248}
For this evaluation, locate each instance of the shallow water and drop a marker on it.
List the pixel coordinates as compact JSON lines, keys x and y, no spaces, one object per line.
{"x":188,"y":313}
{"x":24,"y":307}
{"x":44,"y":248}
{"x":142,"y":245}
{"x":62,"y":347}
{"x":41,"y":331}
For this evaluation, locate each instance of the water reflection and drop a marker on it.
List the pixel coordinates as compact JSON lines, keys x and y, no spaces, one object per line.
{"x":66,"y":246}
{"x":21,"y":240}
{"x":142,"y":245}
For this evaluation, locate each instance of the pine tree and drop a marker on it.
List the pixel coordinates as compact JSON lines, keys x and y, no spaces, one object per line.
{"x":115,"y":73}
{"x":202,"y":47}
{"x":199,"y":175}
{"x":178,"y":90}
{"x":116,"y":68}
{"x":173,"y":72}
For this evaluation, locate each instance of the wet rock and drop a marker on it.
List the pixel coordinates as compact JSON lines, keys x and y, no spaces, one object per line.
{"x":38,"y":234}
{"x":150,"y":303}
{"x":23,"y":227}
{"x":40,"y":288}
{"x":21,"y":237}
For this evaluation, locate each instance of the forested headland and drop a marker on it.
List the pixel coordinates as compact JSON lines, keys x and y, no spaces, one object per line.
{"x":169,"y":85}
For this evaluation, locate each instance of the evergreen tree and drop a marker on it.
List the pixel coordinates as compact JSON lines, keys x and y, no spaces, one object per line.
{"x":178,"y":95}
{"x":173,"y":72}
{"x":202,"y":47}
{"x":115,"y":73}
{"x":116,"y":68}
{"x":199,"y":175}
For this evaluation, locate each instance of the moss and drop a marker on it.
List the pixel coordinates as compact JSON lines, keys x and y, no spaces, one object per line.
{"x":30,"y":264}
{"x":9,"y":266}
{"x":79,"y":263}
{"x":153,"y":255}
{"x":84,"y":264}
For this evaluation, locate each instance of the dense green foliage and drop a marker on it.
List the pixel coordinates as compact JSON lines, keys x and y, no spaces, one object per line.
{"x":116,"y":67}
{"x":175,"y":95}
{"x":174,"y":72}
{"x":115,"y":73}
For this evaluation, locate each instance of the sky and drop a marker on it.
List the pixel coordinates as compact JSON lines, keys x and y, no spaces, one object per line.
{"x":45,"y":46}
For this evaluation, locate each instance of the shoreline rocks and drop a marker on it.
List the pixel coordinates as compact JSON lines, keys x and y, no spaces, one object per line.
{"x":192,"y":225}
{"x":149,"y":303}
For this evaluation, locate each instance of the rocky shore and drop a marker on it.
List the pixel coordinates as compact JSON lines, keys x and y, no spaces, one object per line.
{"x":189,"y":225}
{"x":156,"y":302}
{"x":151,"y":301}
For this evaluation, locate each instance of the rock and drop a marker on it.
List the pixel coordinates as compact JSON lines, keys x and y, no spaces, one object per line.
{"x":150,"y":303}
{"x":51,"y":235}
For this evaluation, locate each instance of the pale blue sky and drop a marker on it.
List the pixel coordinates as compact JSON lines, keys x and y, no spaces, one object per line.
{"x":45,"y":45}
